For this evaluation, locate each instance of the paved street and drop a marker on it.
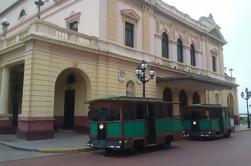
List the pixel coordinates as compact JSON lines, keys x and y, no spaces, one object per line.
{"x":224,"y":152}
{"x":13,"y":154}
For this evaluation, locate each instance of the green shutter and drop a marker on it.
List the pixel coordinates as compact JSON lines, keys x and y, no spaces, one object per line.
{"x":227,"y":123}
{"x":186,"y":124}
{"x":176,"y":125}
{"x":215,"y":123}
{"x":204,"y":124}
{"x":170,"y":125}
{"x":162,"y":126}
{"x":93,"y":129}
{"x":114,"y":129}
{"x":134,"y":129}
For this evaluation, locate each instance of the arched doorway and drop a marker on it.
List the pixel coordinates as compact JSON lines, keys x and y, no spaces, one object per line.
{"x":70,"y":108}
{"x":167,"y":95}
{"x":196,"y":98}
{"x":217,"y":99}
{"x":16,"y":92}
{"x":183,"y":100}
{"x":230,"y":104}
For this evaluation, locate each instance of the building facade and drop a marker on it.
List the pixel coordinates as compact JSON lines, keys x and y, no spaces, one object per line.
{"x":81,"y":50}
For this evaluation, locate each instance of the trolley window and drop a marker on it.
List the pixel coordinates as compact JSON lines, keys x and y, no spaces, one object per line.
{"x":105,"y":114}
{"x":163,"y":110}
{"x":133,"y":111}
{"x":216,"y":113}
{"x":194,"y":115}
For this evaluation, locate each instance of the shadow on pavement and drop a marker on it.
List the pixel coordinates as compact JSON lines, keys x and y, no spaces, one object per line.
{"x":128,"y":153}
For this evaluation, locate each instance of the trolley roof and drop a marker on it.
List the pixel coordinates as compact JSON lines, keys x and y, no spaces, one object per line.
{"x":130,"y":99}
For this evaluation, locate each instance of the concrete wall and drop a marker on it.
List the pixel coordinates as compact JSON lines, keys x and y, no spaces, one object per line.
{"x":89,"y":22}
{"x":124,"y":5}
{"x":100,"y":78}
{"x":56,"y":12}
{"x":102,"y":18}
{"x":223,"y":96}
{"x":176,"y":31}
{"x":176,"y":88}
{"x":97,"y":70}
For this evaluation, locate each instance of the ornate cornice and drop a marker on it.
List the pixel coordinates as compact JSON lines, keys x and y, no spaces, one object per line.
{"x":130,"y":15}
{"x":174,"y":13}
{"x":73,"y":17}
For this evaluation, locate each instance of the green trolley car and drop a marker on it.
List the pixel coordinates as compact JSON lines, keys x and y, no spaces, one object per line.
{"x":119,"y":123}
{"x":206,"y":121}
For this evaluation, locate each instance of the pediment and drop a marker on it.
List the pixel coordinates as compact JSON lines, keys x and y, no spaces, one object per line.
{"x":216,"y":33}
{"x":74,"y":16}
{"x":130,"y":14}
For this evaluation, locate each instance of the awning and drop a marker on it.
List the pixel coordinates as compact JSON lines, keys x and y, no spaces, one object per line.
{"x":207,"y":82}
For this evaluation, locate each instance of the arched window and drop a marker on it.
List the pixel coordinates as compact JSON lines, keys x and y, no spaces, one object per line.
{"x":165,"y":46}
{"x":183,"y":98}
{"x":180,"y":51}
{"x":22,"y":13}
{"x":167,"y":95}
{"x":196,"y":98}
{"x":192,"y":54}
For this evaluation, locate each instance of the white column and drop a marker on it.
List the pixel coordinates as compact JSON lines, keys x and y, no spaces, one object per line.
{"x":4,"y":91}
{"x":173,"y":51}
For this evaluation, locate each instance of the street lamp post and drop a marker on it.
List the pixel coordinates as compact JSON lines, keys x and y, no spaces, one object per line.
{"x":246,"y":98}
{"x":39,"y":4}
{"x":5,"y":25}
{"x":231,"y":72}
{"x":141,"y":74}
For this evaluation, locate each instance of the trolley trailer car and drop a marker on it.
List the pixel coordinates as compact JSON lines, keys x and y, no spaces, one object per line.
{"x":206,"y":120}
{"x":120,"y":123}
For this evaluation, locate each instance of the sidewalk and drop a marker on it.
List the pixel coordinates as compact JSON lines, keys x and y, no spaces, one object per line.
{"x":241,"y":127}
{"x":63,"y":142}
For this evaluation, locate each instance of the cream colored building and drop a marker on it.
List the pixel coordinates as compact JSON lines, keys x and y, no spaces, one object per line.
{"x":81,"y":50}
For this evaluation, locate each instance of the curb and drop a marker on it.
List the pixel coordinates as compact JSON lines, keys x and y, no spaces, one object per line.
{"x":243,"y":130}
{"x":65,"y":150}
{"x":51,"y":150}
{"x":19,"y":148}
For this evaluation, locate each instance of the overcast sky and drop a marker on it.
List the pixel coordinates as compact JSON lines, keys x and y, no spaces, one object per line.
{"x":234,"y":18}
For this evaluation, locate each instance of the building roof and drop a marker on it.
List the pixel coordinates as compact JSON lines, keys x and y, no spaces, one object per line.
{"x":197,"y":78}
{"x":205,"y":106}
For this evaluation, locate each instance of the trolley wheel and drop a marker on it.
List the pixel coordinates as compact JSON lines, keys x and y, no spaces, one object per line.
{"x":108,"y":150}
{"x":228,"y":134}
{"x":167,"y":143}
{"x":137,"y":146}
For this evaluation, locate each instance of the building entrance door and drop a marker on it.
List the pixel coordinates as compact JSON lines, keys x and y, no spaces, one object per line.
{"x":69,"y":107}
